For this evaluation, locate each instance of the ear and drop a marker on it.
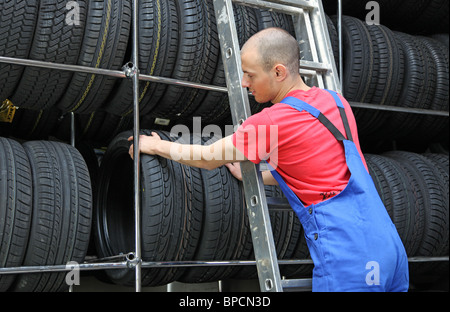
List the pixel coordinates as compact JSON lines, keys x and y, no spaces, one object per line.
{"x":280,"y":72}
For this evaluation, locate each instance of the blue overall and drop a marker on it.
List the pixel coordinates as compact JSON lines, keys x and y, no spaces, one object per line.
{"x":352,"y":241}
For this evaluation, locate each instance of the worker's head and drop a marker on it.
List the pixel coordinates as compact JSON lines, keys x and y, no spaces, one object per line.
{"x":270,"y":58}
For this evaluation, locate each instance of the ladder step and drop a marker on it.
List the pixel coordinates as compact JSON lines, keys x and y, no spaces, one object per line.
{"x":285,"y":7}
{"x":304,"y":284}
{"x":319,"y":67}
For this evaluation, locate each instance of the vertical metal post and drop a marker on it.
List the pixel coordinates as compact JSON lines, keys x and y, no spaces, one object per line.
{"x":136,"y":158}
{"x":263,"y":244}
{"x":341,"y":57}
{"x":72,"y":129}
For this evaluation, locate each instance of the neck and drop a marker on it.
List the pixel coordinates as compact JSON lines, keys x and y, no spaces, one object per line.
{"x":297,"y":84}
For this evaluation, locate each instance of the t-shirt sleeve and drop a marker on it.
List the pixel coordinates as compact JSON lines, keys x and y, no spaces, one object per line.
{"x":257,"y":137}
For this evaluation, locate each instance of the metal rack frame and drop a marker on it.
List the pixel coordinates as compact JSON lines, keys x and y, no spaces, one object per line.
{"x":130,"y":70}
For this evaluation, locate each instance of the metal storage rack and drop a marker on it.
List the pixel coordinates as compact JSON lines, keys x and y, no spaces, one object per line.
{"x":318,"y":66}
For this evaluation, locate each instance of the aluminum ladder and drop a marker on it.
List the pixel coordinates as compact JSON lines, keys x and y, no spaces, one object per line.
{"x":318,"y":67}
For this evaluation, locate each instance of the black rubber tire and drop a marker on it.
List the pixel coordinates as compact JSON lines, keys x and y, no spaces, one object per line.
{"x":286,"y":229}
{"x":197,"y":57}
{"x":359,"y":66}
{"x":223,"y":224}
{"x":169,"y":216}
{"x":418,"y":86}
{"x":62,"y":213}
{"x":334,"y":39}
{"x":215,"y":107}
{"x":56,"y":41}
{"x":397,"y":196}
{"x":434,"y":205}
{"x":158,"y":44}
{"x":388,"y":73}
{"x":441,"y":162}
{"x":17,"y":22}
{"x":15,"y":207}
{"x":104,"y":46}
{"x":430,"y":126}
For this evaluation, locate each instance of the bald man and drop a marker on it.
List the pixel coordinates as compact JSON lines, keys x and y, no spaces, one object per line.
{"x":309,"y":138}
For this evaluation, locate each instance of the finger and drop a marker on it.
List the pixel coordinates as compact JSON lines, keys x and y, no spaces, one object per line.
{"x":130,"y":138}
{"x":156,"y":135}
{"x":131,"y":152}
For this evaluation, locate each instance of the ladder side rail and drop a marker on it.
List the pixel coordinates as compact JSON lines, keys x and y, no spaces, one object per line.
{"x":257,"y":209}
{"x":323,"y":42}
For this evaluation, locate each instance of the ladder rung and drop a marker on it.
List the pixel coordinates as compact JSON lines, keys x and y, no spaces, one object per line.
{"x":296,"y":284}
{"x":320,"y":67}
{"x":302,"y":5}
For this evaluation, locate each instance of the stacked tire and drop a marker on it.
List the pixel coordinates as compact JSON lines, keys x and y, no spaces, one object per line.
{"x":46,"y":211}
{"x":414,"y":189}
{"x":177,"y":39}
{"x":187,"y":214}
{"x":396,"y":69}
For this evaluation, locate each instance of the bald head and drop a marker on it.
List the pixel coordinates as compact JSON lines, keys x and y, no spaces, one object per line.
{"x":275,"y":46}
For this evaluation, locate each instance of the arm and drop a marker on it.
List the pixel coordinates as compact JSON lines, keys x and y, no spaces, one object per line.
{"x":203,"y":156}
{"x":235,"y":169}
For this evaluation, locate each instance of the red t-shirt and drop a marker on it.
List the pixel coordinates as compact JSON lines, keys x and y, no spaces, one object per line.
{"x":299,"y":147}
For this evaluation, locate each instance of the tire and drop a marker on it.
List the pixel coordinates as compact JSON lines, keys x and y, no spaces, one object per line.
{"x":222,"y":227}
{"x":104,"y":46}
{"x":62,"y":213}
{"x":197,"y":57}
{"x":418,"y":87}
{"x":388,"y":73}
{"x":15,"y":207}
{"x":215,"y":107}
{"x":17,"y":22}
{"x":431,"y":126}
{"x":54,"y":41}
{"x":158,"y":44}
{"x":440,"y":161}
{"x":286,"y":229}
{"x":359,"y":68}
{"x":168,"y":214}
{"x":434,"y":205}
{"x":394,"y":189}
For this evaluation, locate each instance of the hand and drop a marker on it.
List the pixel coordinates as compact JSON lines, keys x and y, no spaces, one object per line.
{"x":147,"y":144}
{"x":235,"y":170}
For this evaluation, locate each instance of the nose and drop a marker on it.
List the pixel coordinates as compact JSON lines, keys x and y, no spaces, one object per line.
{"x":245,"y":83}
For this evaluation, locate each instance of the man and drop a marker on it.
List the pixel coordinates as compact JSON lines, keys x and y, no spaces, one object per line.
{"x":317,"y":162}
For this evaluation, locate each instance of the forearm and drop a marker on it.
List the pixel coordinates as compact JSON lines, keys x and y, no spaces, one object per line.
{"x":201,"y":156}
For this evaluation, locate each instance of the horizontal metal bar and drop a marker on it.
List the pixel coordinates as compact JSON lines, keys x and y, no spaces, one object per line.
{"x":296,"y":283}
{"x":428,"y":259}
{"x":159,"y":264}
{"x":58,"y":66}
{"x":182,"y":83}
{"x":399,"y":109}
{"x":63,"y":267}
{"x":108,"y":72}
{"x":121,"y":74}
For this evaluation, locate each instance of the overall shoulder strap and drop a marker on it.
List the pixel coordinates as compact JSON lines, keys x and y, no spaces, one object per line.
{"x":301,"y":105}
{"x":342,"y":112}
